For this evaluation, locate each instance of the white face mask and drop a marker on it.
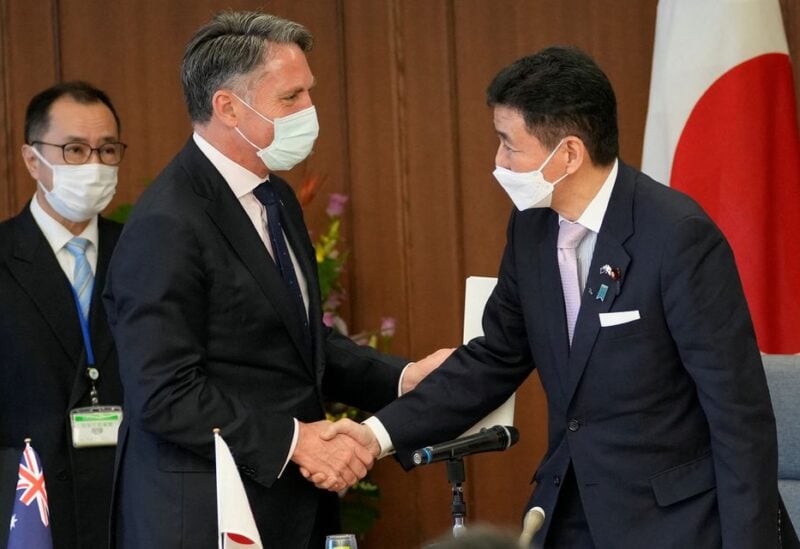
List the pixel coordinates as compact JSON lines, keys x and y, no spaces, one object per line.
{"x":294,"y":138}
{"x":80,"y":191}
{"x":528,"y":189}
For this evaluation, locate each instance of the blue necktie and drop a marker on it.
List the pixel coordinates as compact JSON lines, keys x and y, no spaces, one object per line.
{"x":83,"y":279}
{"x":266,"y":195}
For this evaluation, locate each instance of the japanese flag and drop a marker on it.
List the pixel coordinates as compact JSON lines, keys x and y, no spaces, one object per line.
{"x":722,"y":127}
{"x":236,"y":525}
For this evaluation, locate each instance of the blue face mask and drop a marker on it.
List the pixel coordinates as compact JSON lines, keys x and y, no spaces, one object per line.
{"x":293,"y":141}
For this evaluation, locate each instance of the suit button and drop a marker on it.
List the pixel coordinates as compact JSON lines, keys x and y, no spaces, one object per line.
{"x":573,"y":425}
{"x":62,"y":475}
{"x":556,"y":480}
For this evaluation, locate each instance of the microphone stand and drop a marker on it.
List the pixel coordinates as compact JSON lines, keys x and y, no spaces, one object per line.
{"x":455,"y":476}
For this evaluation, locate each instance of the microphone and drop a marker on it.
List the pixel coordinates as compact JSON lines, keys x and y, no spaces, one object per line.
{"x":530,"y":525}
{"x":495,"y":438}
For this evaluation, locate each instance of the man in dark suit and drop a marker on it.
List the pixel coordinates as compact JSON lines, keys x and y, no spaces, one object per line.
{"x":625,"y":297}
{"x":47,"y":368}
{"x":214,"y":302}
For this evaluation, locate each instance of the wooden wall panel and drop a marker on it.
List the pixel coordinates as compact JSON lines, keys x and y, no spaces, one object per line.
{"x":6,"y":160}
{"x":31,"y":64}
{"x":379,"y":155}
{"x":414,"y":120}
{"x":373,"y":107}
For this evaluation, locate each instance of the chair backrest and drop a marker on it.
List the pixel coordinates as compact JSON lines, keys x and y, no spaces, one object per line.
{"x":783,"y":378}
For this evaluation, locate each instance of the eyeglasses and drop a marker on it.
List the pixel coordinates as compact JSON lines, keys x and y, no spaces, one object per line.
{"x":80,"y":153}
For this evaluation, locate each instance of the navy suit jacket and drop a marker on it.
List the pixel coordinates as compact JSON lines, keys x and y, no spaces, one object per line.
{"x":42,"y":377}
{"x":666,"y":420}
{"x":208,"y":337}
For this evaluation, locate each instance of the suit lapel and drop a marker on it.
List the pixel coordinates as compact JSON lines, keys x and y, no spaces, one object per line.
{"x":37,"y":271}
{"x":102,"y":342}
{"x":230,"y":219}
{"x":609,"y":250}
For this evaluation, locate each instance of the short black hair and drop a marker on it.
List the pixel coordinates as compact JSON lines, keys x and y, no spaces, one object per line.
{"x":37,"y":115}
{"x":561,"y":91}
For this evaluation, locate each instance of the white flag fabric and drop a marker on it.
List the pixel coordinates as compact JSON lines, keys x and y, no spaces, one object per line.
{"x":722,"y":127}
{"x":236,"y":525}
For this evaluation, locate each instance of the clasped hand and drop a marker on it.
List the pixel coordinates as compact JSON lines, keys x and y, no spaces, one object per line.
{"x":335,"y":456}
{"x":331,"y":458}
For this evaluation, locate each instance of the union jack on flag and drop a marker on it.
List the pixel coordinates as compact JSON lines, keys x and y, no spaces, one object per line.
{"x":30,"y":524}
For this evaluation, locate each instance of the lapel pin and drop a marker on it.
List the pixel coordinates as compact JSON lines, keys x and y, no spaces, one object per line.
{"x":614,"y":273}
{"x":601,"y":293}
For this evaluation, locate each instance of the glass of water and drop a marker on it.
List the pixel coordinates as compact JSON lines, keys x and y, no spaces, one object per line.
{"x":342,"y":541}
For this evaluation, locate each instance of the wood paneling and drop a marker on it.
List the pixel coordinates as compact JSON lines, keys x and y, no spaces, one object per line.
{"x":30,"y":65}
{"x":405,"y":132}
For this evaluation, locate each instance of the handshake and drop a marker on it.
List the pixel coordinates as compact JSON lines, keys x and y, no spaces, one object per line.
{"x":336,"y":455}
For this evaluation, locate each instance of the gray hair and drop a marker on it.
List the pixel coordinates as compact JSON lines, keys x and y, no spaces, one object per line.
{"x":228,"y":48}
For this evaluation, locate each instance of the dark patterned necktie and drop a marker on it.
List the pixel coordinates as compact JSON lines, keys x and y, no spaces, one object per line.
{"x":266,"y":195}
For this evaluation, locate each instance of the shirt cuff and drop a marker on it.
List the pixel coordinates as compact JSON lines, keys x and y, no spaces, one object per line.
{"x":380,"y":432}
{"x":293,"y":446}
{"x":400,"y":383}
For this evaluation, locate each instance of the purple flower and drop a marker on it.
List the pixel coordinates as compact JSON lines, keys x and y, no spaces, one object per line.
{"x":328,"y":318}
{"x":387,"y":326}
{"x":336,"y":204}
{"x":334,"y":300}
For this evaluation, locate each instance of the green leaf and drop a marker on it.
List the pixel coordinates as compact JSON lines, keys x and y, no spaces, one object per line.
{"x":121,"y":213}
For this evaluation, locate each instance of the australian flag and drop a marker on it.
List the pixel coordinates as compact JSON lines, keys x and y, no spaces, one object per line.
{"x":30,"y":520}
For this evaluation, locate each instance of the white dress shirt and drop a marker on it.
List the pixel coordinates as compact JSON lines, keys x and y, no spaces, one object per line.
{"x":592,"y":219}
{"x":57,"y":235}
{"x":242,"y":182}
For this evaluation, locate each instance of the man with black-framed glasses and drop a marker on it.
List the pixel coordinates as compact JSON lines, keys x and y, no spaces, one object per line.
{"x":59,"y":380}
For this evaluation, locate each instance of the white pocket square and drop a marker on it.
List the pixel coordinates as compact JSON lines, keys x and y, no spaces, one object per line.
{"x":620,"y":317}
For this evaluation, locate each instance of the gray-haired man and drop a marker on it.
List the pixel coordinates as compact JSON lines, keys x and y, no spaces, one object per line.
{"x":214,"y":302}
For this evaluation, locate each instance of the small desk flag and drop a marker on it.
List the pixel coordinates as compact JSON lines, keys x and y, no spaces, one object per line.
{"x":30,"y":518}
{"x":236,"y":525}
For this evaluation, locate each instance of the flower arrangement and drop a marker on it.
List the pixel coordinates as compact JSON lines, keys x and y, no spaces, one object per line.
{"x":359,"y":503}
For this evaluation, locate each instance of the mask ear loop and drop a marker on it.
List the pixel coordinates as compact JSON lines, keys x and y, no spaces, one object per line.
{"x":249,"y":106}
{"x":550,"y":157}
{"x":246,"y":104}
{"x":46,"y":163}
{"x":256,"y":147}
{"x":40,"y":157}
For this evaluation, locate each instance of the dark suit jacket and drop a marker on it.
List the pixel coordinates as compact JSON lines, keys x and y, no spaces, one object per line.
{"x":666,"y":420}
{"x":208,"y":337}
{"x":42,"y":365}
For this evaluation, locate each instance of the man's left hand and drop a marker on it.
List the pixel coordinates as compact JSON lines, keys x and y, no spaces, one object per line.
{"x":417,"y":371}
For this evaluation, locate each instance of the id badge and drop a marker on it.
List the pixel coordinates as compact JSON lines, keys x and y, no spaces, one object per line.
{"x":95,"y":426}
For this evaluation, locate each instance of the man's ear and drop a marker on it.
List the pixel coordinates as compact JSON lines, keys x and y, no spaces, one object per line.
{"x":32,"y":161}
{"x":223,"y":107}
{"x":576,"y":153}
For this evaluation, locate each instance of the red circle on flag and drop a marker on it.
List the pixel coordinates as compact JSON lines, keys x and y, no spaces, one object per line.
{"x":238,"y":538}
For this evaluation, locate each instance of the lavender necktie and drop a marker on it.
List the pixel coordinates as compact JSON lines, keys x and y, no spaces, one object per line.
{"x":569,"y":236}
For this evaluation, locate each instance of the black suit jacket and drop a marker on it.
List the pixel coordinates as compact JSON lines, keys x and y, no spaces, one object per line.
{"x":208,"y":337}
{"x":42,"y":365}
{"x":666,"y":420}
